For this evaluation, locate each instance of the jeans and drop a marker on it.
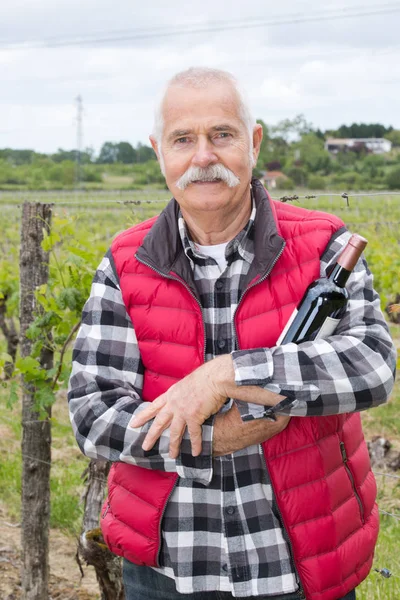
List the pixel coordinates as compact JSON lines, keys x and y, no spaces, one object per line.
{"x":143,"y":583}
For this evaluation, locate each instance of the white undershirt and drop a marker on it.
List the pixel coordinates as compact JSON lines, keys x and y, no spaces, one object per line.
{"x":217,"y":252}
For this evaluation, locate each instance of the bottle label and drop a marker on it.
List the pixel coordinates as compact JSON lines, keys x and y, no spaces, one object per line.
{"x":288,"y":324}
{"x":327,"y":328}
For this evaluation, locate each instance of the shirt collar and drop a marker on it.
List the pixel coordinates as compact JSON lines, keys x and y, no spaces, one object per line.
{"x":243,"y":243}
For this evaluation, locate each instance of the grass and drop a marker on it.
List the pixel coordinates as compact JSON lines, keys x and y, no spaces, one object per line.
{"x":10,"y":482}
{"x":385,"y":421}
{"x":68,"y":464}
{"x":376,"y":587}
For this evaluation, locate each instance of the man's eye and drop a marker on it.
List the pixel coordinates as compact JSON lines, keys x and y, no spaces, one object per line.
{"x":224,"y":134}
{"x":182,"y":140}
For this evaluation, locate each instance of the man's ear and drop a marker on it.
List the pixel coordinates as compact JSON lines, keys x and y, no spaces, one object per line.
{"x":154,"y":144}
{"x":156,"y":149}
{"x":257,"y":139}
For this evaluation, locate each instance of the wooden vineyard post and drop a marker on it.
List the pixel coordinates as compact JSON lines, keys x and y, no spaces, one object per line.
{"x":91,"y":547}
{"x":36,"y":431}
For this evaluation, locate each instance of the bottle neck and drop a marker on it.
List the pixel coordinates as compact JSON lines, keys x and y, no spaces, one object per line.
{"x":339,"y":275}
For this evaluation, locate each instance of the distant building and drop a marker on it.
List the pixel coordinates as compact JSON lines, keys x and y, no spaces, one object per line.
{"x":269,"y":178}
{"x":374,"y":145}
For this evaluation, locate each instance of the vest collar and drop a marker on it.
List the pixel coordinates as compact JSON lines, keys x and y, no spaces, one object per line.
{"x":162,"y":247}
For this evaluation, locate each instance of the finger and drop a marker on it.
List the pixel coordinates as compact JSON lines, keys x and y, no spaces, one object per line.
{"x":148,"y":413}
{"x":176,"y":433}
{"x":160,"y":424}
{"x":196,"y":437}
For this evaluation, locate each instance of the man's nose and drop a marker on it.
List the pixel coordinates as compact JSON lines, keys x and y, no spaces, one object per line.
{"x":204,"y":154}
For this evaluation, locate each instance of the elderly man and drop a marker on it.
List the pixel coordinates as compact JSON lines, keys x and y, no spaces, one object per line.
{"x":176,"y":361}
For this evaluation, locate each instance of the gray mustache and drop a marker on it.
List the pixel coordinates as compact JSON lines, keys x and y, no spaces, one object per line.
{"x":211,"y":173}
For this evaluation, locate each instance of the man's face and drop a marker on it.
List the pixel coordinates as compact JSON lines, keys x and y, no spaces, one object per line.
{"x":202,"y":128}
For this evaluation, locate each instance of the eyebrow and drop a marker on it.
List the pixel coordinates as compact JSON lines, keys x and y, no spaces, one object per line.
{"x":224,"y":127}
{"x":179,"y":133}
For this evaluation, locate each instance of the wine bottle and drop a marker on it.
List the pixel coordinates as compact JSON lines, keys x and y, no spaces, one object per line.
{"x":323,"y":305}
{"x":325,"y":300}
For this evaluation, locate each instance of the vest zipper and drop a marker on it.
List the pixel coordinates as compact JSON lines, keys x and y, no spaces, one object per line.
{"x":179,"y":280}
{"x":350,"y":475}
{"x":300,"y":591}
{"x":103,"y":516}
{"x":286,"y":535}
{"x":263,"y":278}
{"x":160,"y":521}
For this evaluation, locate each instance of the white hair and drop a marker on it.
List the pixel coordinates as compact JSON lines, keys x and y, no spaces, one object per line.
{"x":198,"y":78}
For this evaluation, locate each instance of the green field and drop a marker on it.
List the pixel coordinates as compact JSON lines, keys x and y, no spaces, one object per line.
{"x":85,"y":224}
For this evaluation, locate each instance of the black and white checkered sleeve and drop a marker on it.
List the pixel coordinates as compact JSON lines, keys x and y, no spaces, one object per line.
{"x":106,"y":384}
{"x":349,"y":371}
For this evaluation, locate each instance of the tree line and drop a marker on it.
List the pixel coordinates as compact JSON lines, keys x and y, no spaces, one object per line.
{"x":110,"y":153}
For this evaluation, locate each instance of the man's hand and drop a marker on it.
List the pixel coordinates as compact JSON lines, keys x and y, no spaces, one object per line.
{"x":192,"y":400}
{"x":187,"y":403}
{"x":231,"y":434}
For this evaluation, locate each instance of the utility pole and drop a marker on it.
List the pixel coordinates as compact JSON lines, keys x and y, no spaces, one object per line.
{"x":79,"y":136}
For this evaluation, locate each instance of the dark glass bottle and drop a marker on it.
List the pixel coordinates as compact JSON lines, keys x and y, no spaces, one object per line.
{"x":325,"y":300}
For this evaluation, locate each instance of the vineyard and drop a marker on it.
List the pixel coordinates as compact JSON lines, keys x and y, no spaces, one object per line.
{"x":82,"y":227}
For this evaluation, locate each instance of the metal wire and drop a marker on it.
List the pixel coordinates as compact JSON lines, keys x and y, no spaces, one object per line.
{"x":79,"y":202}
{"x":383,"y":512}
{"x":394,"y":516}
{"x":386,"y":475}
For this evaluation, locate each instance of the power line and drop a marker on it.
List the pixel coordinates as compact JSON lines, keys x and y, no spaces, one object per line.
{"x":132,"y":35}
{"x":153,"y":30}
{"x":209,"y":23}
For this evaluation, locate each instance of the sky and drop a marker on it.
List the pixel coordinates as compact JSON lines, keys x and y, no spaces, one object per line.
{"x":335,"y":65}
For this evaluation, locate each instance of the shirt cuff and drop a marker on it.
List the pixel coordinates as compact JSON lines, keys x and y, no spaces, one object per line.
{"x":249,"y":411}
{"x":253,"y":367}
{"x":256,"y":367}
{"x":198,"y":468}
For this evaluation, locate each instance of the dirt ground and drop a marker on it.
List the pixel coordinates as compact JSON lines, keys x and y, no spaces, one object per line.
{"x":66,"y":582}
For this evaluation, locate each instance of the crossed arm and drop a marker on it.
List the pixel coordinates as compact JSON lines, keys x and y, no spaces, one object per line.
{"x":350,"y":371}
{"x":105,"y":391}
{"x":191,"y":401}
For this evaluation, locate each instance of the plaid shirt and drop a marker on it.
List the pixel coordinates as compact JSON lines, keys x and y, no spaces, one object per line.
{"x":221,"y":527}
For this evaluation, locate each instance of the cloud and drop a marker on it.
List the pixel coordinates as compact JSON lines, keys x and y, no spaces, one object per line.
{"x":331,"y":71}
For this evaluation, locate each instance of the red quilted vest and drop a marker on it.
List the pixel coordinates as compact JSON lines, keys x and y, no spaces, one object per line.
{"x":319,"y":466}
